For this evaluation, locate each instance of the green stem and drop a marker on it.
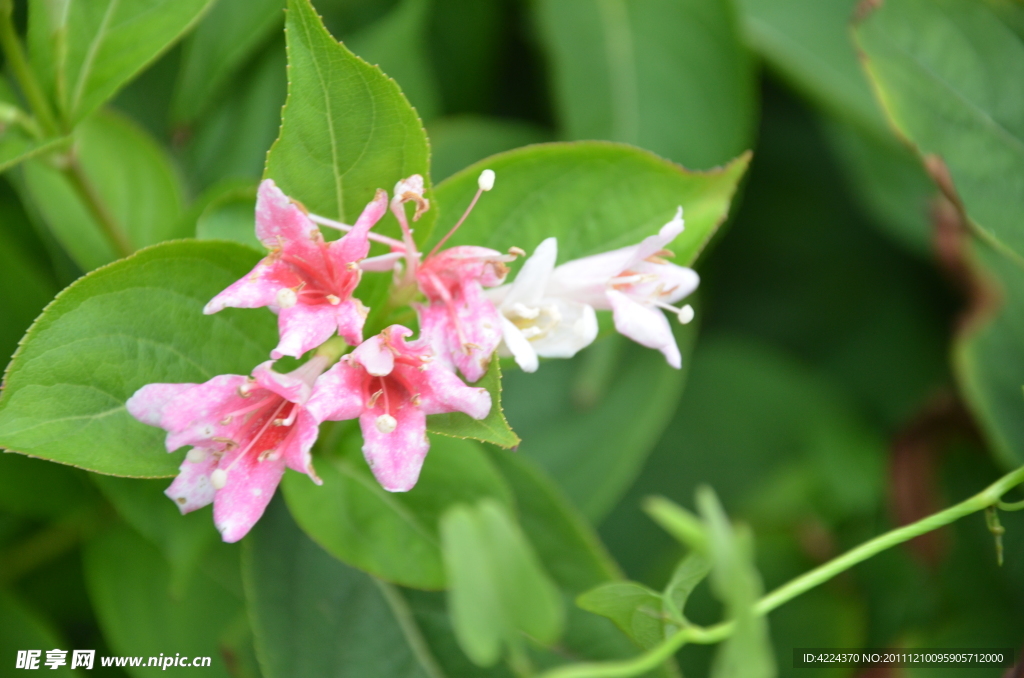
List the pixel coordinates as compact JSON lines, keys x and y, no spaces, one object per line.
{"x":1011,"y":506}
{"x":117,"y":237}
{"x":654,"y":657}
{"x":17,"y":62}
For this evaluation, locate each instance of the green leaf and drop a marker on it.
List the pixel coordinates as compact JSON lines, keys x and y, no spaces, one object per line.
{"x":128,"y":173}
{"x":591,"y":421}
{"x":346,"y":129}
{"x":950,"y":77}
{"x":182,"y":539}
{"x":129,"y":585}
{"x":397,"y":45}
{"x":680,"y":523}
{"x":218,"y":48}
{"x":314,"y":616}
{"x":461,"y":140}
{"x":132,"y":323}
{"x":19,"y":138}
{"x":691,"y":571}
{"x":25,"y":630}
{"x":668,"y":75}
{"x":497,"y":587}
{"x":809,"y":45}
{"x":594,"y":196}
{"x":633,"y":607}
{"x":86,"y":50}
{"x":747,"y":653}
{"x":987,"y":358}
{"x":491,"y":429}
{"x":392,"y":536}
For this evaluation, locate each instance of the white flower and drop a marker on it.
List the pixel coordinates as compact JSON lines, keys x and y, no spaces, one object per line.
{"x":536,"y":323}
{"x":633,"y":282}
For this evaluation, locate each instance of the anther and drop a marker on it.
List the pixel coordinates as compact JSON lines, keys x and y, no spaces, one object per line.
{"x":486,"y":180}
{"x":386,"y":423}
{"x":219,"y":478}
{"x":517,"y":251}
{"x":686,"y":314}
{"x":333,"y":300}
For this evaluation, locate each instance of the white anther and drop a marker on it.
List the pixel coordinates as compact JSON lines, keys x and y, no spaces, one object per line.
{"x":386,"y":423}
{"x":286,"y":297}
{"x":686,"y":314}
{"x":486,"y":180}
{"x":196,"y":455}
{"x":219,"y":478}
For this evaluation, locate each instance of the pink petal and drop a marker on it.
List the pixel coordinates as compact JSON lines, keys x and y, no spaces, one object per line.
{"x":289,"y":386}
{"x":374,"y":355}
{"x":192,"y":490}
{"x":673,"y":283}
{"x":249,"y":488}
{"x":351,"y":316}
{"x":354,"y":245}
{"x":303,"y":327}
{"x":396,"y":457}
{"x":296,"y":447}
{"x":440,"y":390}
{"x":382,"y":263}
{"x":258,"y":288}
{"x":645,"y":325}
{"x":434,"y":323}
{"x":338,"y":393}
{"x":481,"y":328}
{"x":148,"y":403}
{"x":194,"y":416}
{"x":281,"y":225}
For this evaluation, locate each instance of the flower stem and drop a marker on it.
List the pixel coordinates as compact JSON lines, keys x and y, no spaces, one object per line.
{"x":18,"y":63}
{"x":654,"y":657}
{"x":83,"y":186}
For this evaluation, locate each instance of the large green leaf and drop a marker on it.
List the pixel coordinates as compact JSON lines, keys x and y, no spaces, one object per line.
{"x":668,"y":75}
{"x":132,"y":323}
{"x":129,"y":585}
{"x":391,"y":535}
{"x":220,"y":45}
{"x":86,"y":50}
{"x":127,"y":172}
{"x":987,"y":355}
{"x":346,"y":129}
{"x":950,"y":76}
{"x":497,"y":587}
{"x":314,"y":616}
{"x":593,"y":196}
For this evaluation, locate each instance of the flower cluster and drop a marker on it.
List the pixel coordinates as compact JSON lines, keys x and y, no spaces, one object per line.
{"x":245,"y":430}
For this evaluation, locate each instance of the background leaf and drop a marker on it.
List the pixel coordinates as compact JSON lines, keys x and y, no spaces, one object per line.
{"x":460,"y":141}
{"x":314,"y":616}
{"x":391,"y":535}
{"x":24,"y":630}
{"x":346,"y":129}
{"x":87,"y":50}
{"x":128,"y":173}
{"x":668,"y":75}
{"x":136,"y":322}
{"x":950,"y":77}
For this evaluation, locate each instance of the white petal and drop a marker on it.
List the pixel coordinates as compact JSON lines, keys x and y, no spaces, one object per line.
{"x":382,"y":263}
{"x":653,"y":243}
{"x":576,"y":330}
{"x":518,"y":346}
{"x":673,"y":282}
{"x":645,"y":325}
{"x":532,"y":279}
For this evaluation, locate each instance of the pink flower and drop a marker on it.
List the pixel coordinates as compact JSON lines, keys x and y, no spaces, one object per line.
{"x":308,"y":282}
{"x":633,"y":282}
{"x":244,"y":431}
{"x":392,"y":385}
{"x":460,"y":322}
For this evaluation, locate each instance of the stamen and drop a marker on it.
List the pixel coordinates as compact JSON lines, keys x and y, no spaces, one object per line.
{"x":333,"y":300}
{"x":228,"y":443}
{"x":386,"y":423}
{"x":196,"y":455}
{"x":338,"y":226}
{"x":219,"y":478}
{"x":484,"y":183}
{"x":286,"y":297}
{"x":686,"y":314}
